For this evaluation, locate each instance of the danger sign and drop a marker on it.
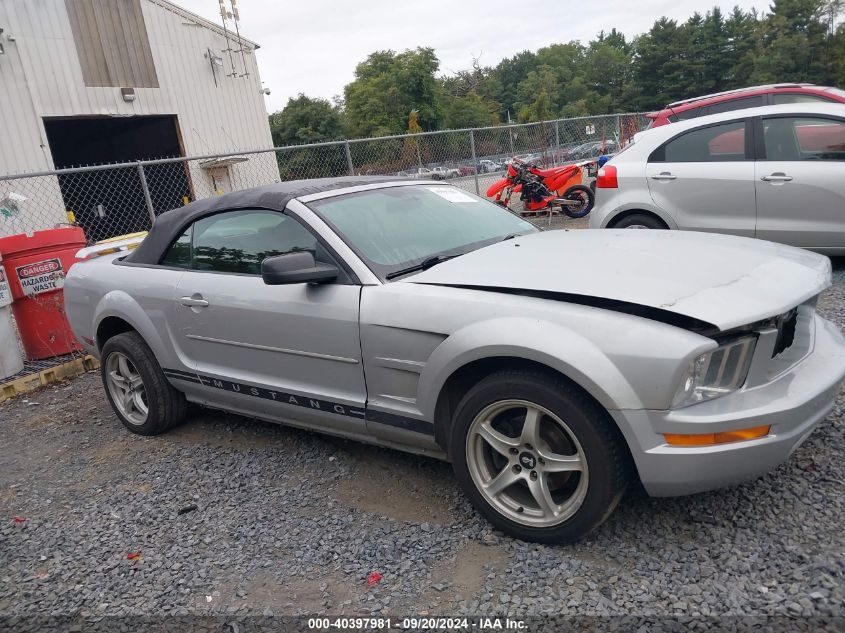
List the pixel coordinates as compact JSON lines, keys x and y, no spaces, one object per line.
{"x":41,"y":277}
{"x":5,"y":292}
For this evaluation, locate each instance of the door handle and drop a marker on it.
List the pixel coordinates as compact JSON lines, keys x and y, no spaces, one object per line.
{"x":778,"y":177}
{"x":664,"y":176}
{"x":195,"y":301}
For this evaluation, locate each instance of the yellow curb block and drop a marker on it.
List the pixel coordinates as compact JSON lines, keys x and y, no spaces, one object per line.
{"x":70,"y":369}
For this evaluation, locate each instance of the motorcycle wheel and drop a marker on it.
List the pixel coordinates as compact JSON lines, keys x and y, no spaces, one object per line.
{"x":584,"y":195}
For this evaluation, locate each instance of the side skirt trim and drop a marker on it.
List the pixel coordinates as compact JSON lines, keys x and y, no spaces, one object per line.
{"x":269,"y":394}
{"x":369,"y":415}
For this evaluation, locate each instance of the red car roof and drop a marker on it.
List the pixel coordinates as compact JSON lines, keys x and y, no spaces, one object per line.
{"x":662,"y":116}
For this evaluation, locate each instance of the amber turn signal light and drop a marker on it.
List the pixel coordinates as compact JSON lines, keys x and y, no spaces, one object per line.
{"x":712,"y":439}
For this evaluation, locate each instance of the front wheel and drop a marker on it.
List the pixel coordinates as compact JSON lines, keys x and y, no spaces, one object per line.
{"x":537,"y":457}
{"x":585,"y":198}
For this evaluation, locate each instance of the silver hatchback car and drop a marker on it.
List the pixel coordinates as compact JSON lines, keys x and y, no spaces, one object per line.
{"x":776,"y":173}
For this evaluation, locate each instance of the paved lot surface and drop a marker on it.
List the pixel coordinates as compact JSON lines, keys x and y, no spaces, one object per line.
{"x":233,"y":516}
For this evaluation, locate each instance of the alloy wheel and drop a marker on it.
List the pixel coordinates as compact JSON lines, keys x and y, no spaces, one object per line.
{"x":126,"y":388}
{"x":527,"y":463}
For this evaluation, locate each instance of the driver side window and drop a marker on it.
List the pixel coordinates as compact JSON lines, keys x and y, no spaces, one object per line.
{"x":238,"y":241}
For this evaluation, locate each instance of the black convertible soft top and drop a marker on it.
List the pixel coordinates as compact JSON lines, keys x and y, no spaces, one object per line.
{"x":170,"y":225}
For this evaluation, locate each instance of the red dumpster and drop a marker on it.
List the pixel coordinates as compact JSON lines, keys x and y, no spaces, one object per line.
{"x":35,"y":266}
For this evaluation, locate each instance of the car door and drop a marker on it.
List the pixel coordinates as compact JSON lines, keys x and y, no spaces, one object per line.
{"x":800,"y":180}
{"x":282,"y":351}
{"x":704,"y":179}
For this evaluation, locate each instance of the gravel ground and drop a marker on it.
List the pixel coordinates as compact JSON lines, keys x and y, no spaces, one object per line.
{"x":232,"y":516}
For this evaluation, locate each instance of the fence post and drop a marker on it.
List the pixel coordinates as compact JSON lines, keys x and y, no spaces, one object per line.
{"x":557,"y":140}
{"x":149,"y":201}
{"x":620,"y":139}
{"x":474,"y":161}
{"x":349,"y":162}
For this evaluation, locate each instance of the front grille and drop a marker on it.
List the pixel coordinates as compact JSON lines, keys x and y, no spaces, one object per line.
{"x":787,"y":324}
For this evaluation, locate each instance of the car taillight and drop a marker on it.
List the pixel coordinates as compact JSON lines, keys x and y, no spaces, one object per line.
{"x":607,"y":178}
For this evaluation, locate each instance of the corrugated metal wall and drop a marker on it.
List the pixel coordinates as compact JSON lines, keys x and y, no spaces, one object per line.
{"x":41,"y":76}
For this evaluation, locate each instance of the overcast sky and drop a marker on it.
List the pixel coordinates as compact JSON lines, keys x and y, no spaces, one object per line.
{"x":312,"y":46}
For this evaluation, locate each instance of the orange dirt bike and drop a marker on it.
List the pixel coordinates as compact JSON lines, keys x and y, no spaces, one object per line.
{"x":545,"y":189}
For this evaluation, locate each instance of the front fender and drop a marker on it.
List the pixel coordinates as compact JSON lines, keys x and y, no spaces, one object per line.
{"x":544,"y":342}
{"x":497,"y":186}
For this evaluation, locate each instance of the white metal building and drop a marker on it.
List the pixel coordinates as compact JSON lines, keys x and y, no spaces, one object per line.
{"x":102,"y":81}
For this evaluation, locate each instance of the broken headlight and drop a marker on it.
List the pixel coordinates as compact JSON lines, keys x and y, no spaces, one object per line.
{"x":716,"y":373}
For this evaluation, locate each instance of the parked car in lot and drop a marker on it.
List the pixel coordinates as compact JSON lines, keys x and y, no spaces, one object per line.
{"x":486,"y":166}
{"x":752,"y":97}
{"x":416,"y":316}
{"x":443,"y":172}
{"x":593,"y":149}
{"x":776,"y":173}
{"x":422,"y":173}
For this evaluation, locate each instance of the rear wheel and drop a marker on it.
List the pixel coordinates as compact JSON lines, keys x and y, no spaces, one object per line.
{"x":137,"y":390}
{"x":640,"y":221}
{"x":537,"y":457}
{"x":585,"y":198}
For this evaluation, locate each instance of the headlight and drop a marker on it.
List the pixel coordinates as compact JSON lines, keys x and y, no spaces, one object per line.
{"x":716,"y":373}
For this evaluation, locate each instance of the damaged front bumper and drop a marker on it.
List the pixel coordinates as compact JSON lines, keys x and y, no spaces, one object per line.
{"x":792,"y":404}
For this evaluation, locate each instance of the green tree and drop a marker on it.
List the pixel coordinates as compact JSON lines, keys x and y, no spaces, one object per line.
{"x":793,"y":43}
{"x":387,"y":87}
{"x":471,"y":110}
{"x":607,"y":69}
{"x":837,"y":47}
{"x":537,"y":95}
{"x":659,"y":64}
{"x":709,"y":52}
{"x":506,"y":77}
{"x":741,"y":30}
{"x":306,"y":120}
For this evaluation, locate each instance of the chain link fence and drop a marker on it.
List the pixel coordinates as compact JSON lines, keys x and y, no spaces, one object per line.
{"x":111,"y":200}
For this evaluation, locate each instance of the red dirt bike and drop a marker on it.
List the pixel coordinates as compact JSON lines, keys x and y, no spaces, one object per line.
{"x":545,"y":189}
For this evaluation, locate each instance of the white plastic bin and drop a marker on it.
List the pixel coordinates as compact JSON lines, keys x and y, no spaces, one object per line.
{"x":11,"y":361}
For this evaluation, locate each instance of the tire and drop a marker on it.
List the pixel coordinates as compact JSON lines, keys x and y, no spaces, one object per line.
{"x":579,"y":501}
{"x":640,"y":221}
{"x":154,"y":406}
{"x":579,"y":192}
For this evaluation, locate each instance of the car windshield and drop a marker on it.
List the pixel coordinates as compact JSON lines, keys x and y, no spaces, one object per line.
{"x":396,"y":228}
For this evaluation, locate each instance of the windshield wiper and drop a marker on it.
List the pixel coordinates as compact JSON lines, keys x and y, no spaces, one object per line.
{"x":425,"y":264}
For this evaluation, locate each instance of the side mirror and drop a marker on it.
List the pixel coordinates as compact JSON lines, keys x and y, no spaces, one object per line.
{"x":296,"y":268}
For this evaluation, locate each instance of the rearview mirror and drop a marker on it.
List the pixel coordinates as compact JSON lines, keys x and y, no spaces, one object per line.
{"x":296,"y":268}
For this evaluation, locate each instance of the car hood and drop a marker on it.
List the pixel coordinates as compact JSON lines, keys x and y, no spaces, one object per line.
{"x":722,"y":280}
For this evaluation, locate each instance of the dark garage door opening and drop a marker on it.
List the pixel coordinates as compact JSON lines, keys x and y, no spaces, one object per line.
{"x":111,"y":202}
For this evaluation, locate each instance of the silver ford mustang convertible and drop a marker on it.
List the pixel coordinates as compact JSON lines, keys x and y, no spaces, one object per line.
{"x":550,"y":368}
